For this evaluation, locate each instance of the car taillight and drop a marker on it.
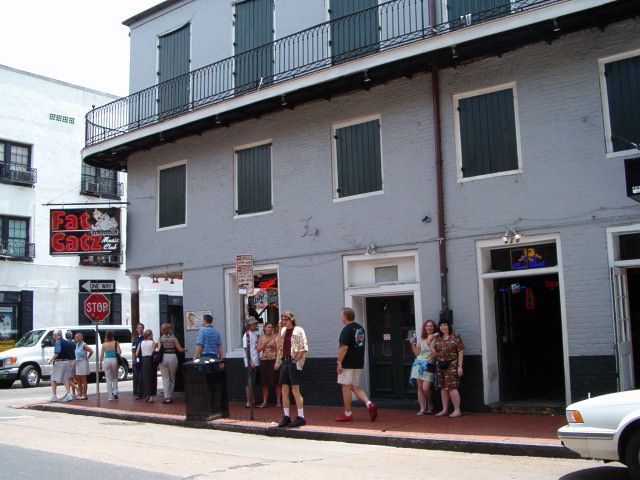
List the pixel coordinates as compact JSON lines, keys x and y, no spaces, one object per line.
{"x":573,"y":416}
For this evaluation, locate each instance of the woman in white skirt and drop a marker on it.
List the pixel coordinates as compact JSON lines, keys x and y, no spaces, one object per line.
{"x":169,"y":365}
{"x":83,"y":354}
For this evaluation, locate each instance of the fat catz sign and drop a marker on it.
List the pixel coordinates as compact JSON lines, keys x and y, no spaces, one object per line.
{"x":81,"y":231}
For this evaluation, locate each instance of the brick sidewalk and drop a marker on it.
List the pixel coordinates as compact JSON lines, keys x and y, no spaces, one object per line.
{"x":475,"y":432}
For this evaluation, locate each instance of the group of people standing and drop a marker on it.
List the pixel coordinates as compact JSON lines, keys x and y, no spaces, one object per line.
{"x":149,"y":356}
{"x":439,"y":356}
{"x":70,"y":366}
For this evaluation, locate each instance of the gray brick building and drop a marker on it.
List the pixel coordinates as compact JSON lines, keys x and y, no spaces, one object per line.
{"x":411,"y":159}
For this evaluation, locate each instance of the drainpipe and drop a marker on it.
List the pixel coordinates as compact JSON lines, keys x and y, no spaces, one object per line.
{"x":445,"y":313}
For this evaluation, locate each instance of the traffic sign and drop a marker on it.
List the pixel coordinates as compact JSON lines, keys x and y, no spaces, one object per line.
{"x":97,"y":307}
{"x":101,"y":286}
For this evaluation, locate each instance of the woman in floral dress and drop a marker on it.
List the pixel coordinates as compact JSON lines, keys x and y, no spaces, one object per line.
{"x":448,"y":350}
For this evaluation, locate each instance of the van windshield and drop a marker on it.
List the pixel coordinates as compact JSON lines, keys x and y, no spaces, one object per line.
{"x":29,"y":339}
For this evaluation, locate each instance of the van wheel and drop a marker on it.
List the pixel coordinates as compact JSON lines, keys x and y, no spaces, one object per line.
{"x":30,"y":376}
{"x":632,"y":455}
{"x":123,"y":372}
{"x":6,"y":383}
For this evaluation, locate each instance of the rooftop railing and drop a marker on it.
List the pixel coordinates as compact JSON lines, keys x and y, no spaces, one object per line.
{"x":385,"y":26}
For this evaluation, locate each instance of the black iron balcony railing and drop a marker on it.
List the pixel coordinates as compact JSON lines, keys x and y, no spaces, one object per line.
{"x":385,"y":26}
{"x":101,"y":186}
{"x":17,"y":248}
{"x":16,"y":173}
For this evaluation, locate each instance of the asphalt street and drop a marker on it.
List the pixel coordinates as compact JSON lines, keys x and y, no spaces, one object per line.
{"x":35,"y":444}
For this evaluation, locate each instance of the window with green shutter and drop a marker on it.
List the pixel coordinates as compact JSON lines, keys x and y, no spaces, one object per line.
{"x":623,"y":84}
{"x":353,"y":34}
{"x":174,"y":52}
{"x":253,"y":180}
{"x":253,"y":27}
{"x":487,"y":134}
{"x":172,"y":201}
{"x":358,"y":159}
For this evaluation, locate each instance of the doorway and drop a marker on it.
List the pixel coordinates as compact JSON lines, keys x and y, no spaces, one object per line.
{"x":529,"y":338}
{"x":390,"y":320}
{"x":633,"y":283}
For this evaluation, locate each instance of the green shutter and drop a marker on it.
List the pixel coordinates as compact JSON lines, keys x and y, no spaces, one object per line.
{"x":173,"y":64}
{"x":477,"y":9}
{"x":358,"y":159}
{"x":253,"y":29}
{"x":488,"y":133}
{"x":354,"y":35}
{"x":623,"y":93}
{"x":25,"y":316}
{"x":172,"y":196}
{"x":254,"y":179}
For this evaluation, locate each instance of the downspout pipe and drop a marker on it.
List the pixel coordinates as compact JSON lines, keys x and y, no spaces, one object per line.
{"x":445,"y":312}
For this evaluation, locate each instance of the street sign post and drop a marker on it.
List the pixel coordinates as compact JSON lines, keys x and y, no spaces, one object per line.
{"x":97,"y":307}
{"x":97,"y":286}
{"x":244,"y":279}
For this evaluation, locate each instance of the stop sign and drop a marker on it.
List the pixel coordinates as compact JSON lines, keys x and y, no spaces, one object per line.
{"x":97,"y":307}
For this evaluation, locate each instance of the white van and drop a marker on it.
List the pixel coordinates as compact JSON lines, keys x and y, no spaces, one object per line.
{"x":27,"y":360}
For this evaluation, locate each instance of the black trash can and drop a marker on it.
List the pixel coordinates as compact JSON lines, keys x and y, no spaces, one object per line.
{"x":205,"y":390}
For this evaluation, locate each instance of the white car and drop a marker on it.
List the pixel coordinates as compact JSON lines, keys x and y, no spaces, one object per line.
{"x":606,"y":428}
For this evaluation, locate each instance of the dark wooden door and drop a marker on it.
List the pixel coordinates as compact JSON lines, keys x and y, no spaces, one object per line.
{"x":389,"y":320}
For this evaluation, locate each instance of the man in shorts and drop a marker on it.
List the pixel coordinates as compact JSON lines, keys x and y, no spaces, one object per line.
{"x":64,"y":352}
{"x":350,"y":365}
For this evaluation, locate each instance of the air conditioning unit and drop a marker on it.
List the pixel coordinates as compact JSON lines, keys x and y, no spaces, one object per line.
{"x":91,"y":187}
{"x":114,"y":259}
{"x":632,"y":175}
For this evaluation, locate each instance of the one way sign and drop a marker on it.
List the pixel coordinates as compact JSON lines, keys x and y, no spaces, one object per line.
{"x":94,"y":286}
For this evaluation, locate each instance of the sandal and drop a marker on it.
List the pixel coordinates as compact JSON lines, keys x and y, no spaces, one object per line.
{"x":262,"y":405}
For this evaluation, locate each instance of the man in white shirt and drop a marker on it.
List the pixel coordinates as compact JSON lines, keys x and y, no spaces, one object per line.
{"x":252,"y":357}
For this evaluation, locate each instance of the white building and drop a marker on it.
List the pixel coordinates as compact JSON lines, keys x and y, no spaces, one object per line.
{"x":41,"y":135}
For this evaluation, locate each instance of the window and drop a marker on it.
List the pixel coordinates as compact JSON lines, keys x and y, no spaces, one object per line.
{"x":14,"y":237}
{"x":487,"y":133}
{"x":465,"y":12}
{"x":253,"y":22}
{"x":253,"y":180}
{"x":357,"y":34}
{"x":174,"y":52}
{"x":100,"y":182}
{"x":15,"y":163}
{"x":358,"y":162}
{"x":172,"y":196}
{"x":621,"y":84}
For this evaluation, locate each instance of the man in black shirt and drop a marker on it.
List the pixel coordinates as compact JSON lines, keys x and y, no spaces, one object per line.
{"x":350,"y":365}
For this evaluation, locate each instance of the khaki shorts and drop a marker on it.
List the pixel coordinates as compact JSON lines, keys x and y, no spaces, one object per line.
{"x":349,"y":376}
{"x":61,"y":371}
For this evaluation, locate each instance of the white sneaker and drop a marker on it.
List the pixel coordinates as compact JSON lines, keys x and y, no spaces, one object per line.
{"x":53,"y":398}
{"x":68,"y":398}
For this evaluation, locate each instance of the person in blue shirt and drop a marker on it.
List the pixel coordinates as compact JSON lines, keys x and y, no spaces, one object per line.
{"x":137,"y":365}
{"x":208,"y":343}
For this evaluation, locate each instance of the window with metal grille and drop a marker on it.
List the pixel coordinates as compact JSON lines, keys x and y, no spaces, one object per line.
{"x":487,"y":133}
{"x":253,"y":179}
{"x":358,"y":159}
{"x":14,"y":237}
{"x":15,"y":163}
{"x":100,"y":182}
{"x":622,"y":79}
{"x":172,"y":191}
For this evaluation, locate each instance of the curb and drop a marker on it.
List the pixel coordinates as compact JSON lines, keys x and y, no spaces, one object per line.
{"x":530,"y":449}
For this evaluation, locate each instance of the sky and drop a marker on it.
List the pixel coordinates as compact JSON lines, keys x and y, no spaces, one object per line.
{"x":78,"y":41}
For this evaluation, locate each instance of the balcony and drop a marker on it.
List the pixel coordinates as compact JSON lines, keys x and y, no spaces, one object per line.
{"x":18,"y":174}
{"x":101,"y":187}
{"x":17,"y":249}
{"x":396,"y":38}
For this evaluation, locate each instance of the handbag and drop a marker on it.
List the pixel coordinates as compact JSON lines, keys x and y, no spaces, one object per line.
{"x":156,"y":356}
{"x":443,"y":364}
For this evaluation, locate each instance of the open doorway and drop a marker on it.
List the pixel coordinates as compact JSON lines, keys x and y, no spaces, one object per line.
{"x":633,"y":283}
{"x":529,"y":338}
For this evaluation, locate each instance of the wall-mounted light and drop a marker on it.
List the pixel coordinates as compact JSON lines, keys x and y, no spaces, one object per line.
{"x":511,"y":235}
{"x":454,"y":53}
{"x":367,"y":78}
{"x":218,"y":121}
{"x":171,"y":282}
{"x":154,"y":279}
{"x":556,"y":27}
{"x":283,"y":101}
